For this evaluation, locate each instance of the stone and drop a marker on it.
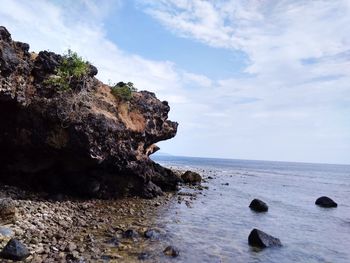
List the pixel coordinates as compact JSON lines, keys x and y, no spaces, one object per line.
{"x":191,"y":177}
{"x":171,"y":251}
{"x":326,"y":202}
{"x":143,"y":256}
{"x":152,"y":234}
{"x":112,"y":241}
{"x":258,"y":206}
{"x":6,"y":232}
{"x":260,"y":239}
{"x":7,"y":211}
{"x":14,"y":250}
{"x":130,"y":233}
{"x":71,"y":247}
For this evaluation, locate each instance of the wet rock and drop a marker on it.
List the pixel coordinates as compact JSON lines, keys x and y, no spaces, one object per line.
{"x":152,"y":234}
{"x":130,"y":233}
{"x":258,"y":238}
{"x":6,"y":232}
{"x":143,"y":256}
{"x":325,"y":201}
{"x":171,"y":251}
{"x":258,"y":206}
{"x":191,"y":177}
{"x":14,"y":250}
{"x":7,"y":211}
{"x":112,"y":241}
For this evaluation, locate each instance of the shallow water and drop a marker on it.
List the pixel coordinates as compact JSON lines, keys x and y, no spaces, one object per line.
{"x":216,"y":226}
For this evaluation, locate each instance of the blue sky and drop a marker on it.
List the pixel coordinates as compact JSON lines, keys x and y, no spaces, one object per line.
{"x":245,"y":79}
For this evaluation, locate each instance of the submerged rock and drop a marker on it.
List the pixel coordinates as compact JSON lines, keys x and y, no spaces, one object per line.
{"x":14,"y":250}
{"x":325,"y":201}
{"x":191,"y":177}
{"x":152,"y":234}
{"x":258,"y":206}
{"x":82,"y":140}
{"x":258,"y":238}
{"x":171,"y":251}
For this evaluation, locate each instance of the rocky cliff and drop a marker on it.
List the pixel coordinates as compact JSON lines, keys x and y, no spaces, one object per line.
{"x":83,"y":140}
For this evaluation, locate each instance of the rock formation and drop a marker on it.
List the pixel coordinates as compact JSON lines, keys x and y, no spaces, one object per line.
{"x":258,"y":206}
{"x":325,"y":201}
{"x":82,"y":141}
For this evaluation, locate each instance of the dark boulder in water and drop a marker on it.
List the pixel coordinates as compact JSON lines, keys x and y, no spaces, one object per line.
{"x":171,"y":251}
{"x":14,"y":250}
{"x":191,"y":177}
{"x":258,"y":238}
{"x":258,"y":206}
{"x":325,"y":201}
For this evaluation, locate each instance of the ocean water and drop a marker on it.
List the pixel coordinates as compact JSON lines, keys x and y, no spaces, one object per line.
{"x":216,"y":226}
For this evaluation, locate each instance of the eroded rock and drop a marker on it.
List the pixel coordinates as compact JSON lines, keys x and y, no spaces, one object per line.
{"x":191,"y":177}
{"x":82,"y":141}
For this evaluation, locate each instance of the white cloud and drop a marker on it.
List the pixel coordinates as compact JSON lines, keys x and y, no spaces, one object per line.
{"x":294,"y":94}
{"x":298,"y":70}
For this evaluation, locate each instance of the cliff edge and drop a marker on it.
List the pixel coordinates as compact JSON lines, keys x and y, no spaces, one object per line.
{"x":81,"y":140}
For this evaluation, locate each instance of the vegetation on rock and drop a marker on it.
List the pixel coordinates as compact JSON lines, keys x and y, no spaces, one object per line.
{"x":72,"y":67}
{"x":123,"y":90}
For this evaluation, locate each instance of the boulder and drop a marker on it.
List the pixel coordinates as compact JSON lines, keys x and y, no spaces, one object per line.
{"x":260,"y":239}
{"x":130,"y":233}
{"x":258,"y":206}
{"x":81,"y":140}
{"x":191,"y":177}
{"x":151,"y":234}
{"x":171,"y":251}
{"x":325,"y":201}
{"x":7,"y":211}
{"x":14,"y":250}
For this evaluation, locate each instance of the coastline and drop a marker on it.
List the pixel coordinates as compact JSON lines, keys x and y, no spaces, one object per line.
{"x":92,"y":230}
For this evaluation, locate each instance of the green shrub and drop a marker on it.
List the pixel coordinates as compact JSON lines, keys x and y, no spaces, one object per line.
{"x":123,"y":90}
{"x":72,"y":67}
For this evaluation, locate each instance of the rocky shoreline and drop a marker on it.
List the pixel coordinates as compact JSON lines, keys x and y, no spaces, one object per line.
{"x":77,"y":230}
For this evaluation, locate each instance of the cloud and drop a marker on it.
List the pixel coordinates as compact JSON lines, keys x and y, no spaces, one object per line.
{"x":298,"y":71}
{"x":292,"y":94}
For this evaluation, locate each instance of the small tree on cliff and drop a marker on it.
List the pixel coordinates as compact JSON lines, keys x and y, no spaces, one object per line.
{"x":123,"y":90}
{"x":72,"y":67}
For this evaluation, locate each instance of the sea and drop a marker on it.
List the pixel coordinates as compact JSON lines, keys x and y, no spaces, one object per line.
{"x":215,"y":226}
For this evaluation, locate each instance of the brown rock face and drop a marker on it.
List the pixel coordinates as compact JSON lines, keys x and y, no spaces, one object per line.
{"x":82,"y":141}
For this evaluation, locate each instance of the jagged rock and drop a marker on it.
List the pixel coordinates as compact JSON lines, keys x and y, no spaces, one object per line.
{"x":14,"y":250}
{"x":82,"y":141}
{"x":325,"y":201}
{"x":191,"y":177}
{"x":171,"y":251}
{"x":7,"y":211}
{"x":258,"y":238}
{"x":258,"y":206}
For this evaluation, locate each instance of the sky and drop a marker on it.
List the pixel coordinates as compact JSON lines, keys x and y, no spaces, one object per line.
{"x":245,"y":79}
